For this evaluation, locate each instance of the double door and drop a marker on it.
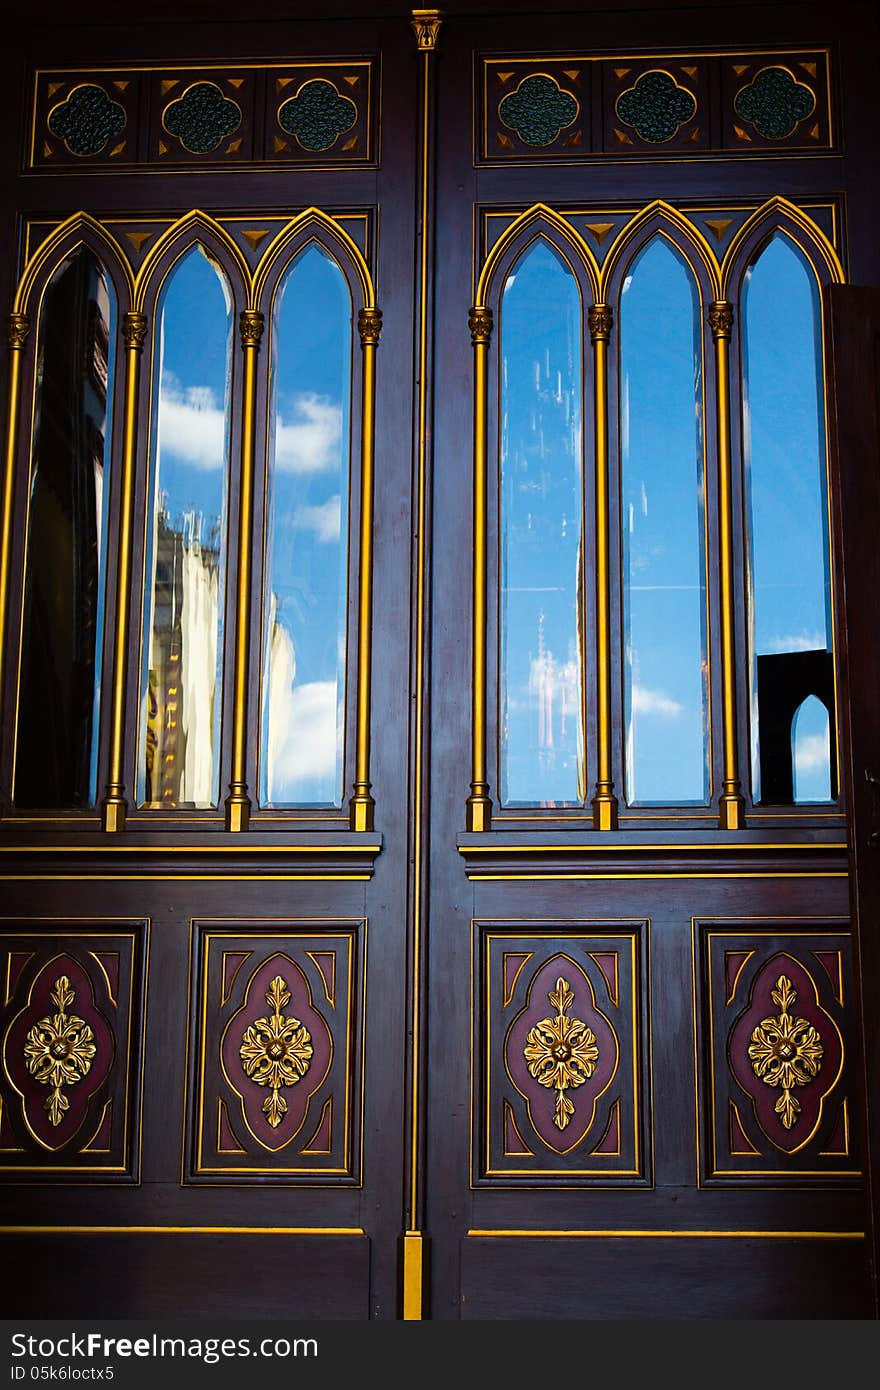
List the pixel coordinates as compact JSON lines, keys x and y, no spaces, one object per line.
{"x":440,"y":899}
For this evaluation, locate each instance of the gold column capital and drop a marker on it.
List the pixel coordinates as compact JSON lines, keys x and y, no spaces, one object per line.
{"x":370,"y":327}
{"x":720,"y":316}
{"x":134,"y":329}
{"x":480,"y":323}
{"x":250,"y":327}
{"x":600,"y":318}
{"x":17,"y":329}
{"x":426,"y":27}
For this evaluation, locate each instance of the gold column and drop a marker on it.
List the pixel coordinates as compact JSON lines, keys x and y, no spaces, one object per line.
{"x":114,"y":806}
{"x":730,"y":807}
{"x":479,"y":807}
{"x":361,"y":807}
{"x":18,"y":328}
{"x":604,"y":801}
{"x":426,"y":27}
{"x":238,"y":804}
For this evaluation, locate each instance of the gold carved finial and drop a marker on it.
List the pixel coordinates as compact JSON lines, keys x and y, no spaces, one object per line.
{"x":250,"y":326}
{"x":276,"y":1051}
{"x":426,"y":27}
{"x":134,"y":329}
{"x":721,"y":318}
{"x":561,"y":1051}
{"x":370,"y":326}
{"x":18,"y":328}
{"x":480,"y":324}
{"x":60,"y":1049}
{"x":600,"y":318}
{"x":786,"y":1052}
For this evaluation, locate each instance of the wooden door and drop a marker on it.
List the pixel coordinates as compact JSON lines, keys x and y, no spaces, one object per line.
{"x":603,"y":1139}
{"x":473,"y":1027}
{"x":209,"y":905}
{"x":853,"y":400}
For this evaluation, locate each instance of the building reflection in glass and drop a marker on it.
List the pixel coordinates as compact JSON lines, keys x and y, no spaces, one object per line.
{"x":304,"y":632}
{"x":186,"y":544}
{"x":56,"y":750}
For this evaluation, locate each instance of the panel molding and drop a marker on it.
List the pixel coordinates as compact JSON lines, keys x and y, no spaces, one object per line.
{"x":274,"y":1054}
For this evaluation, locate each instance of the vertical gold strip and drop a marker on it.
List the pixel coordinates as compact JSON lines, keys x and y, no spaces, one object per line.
{"x":730,"y":807}
{"x":238,"y":804}
{"x":413,"y":1276}
{"x":426,"y":27}
{"x":18,"y":328}
{"x":361,"y":805}
{"x":114,"y":805}
{"x":604,"y":801}
{"x":479,"y":807}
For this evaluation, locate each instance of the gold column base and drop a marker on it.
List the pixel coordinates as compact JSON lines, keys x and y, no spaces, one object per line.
{"x":113,"y":812}
{"x":731,"y":811}
{"x":238,"y":811}
{"x":479,"y":808}
{"x":361,"y":808}
{"x":604,"y":806}
{"x":415,"y":1269}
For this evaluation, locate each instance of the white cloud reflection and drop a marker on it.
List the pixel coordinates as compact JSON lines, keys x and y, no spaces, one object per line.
{"x":192,"y":426}
{"x":309,"y":443}
{"x":795,"y":642}
{"x":646,"y":701}
{"x":302,"y":733}
{"x":811,"y":753}
{"x":324,"y":519}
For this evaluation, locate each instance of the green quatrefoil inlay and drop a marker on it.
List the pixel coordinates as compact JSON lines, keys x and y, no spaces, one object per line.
{"x":774,"y":103}
{"x":86,"y":120}
{"x":656,"y":107}
{"x":538,"y":110}
{"x":201,"y":118}
{"x":317,"y":115}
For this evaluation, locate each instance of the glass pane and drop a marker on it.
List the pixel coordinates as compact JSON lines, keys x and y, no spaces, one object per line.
{"x":303,"y":677}
{"x":186,"y":548}
{"x":664,"y":564}
{"x":542,"y":758}
{"x":56,"y":750}
{"x":810,"y":743}
{"x":789,"y":577}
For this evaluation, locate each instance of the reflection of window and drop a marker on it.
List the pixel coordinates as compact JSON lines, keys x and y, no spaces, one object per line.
{"x":59,"y":691}
{"x":663,"y":525}
{"x":811,"y":751}
{"x":789,"y":569}
{"x":304,"y":638}
{"x":186,"y":545}
{"x":542,"y":748}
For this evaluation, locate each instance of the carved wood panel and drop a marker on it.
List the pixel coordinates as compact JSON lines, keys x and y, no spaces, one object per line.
{"x":560,"y":1054}
{"x":674,"y":105}
{"x":774,"y":1047}
{"x":275,"y":1052}
{"x":320,"y":112}
{"x":71,"y":1030}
